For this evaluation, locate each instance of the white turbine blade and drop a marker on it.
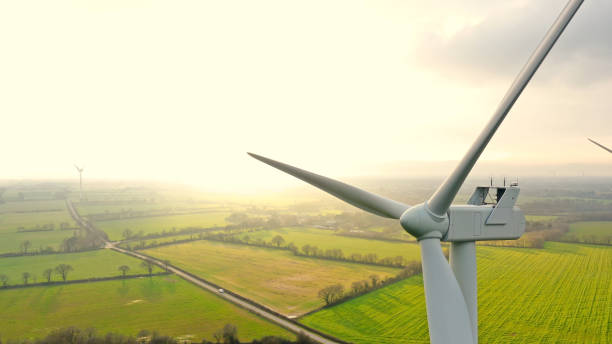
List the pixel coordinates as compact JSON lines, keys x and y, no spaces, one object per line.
{"x":600,"y":145}
{"x":361,"y":199}
{"x":447,"y":312}
{"x":444,"y":195}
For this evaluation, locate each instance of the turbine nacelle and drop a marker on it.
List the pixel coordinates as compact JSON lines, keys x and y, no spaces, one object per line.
{"x":476,"y":221}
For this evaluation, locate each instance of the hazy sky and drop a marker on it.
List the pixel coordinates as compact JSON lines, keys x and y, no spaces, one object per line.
{"x":180,"y":90}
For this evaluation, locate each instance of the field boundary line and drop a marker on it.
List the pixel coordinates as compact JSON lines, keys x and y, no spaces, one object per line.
{"x":239,"y":300}
{"x":85,"y":280}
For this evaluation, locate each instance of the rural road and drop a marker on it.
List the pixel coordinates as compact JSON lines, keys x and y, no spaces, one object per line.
{"x":289,"y":325}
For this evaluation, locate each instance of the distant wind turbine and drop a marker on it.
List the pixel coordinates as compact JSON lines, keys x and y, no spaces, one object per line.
{"x":600,"y":145}
{"x":451,"y":289}
{"x":80,"y":169}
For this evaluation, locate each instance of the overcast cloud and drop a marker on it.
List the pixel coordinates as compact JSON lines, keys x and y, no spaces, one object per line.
{"x":505,"y":33}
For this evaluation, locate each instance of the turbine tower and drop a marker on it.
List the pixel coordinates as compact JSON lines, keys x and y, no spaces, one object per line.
{"x":451,"y":289}
{"x":80,"y":170}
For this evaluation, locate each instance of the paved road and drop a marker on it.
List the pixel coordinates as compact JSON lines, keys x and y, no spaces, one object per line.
{"x":291,"y":326}
{"x":261,"y":312}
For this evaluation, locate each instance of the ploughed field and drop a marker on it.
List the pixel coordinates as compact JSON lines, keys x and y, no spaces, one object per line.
{"x":166,"y":304}
{"x":326,"y":239}
{"x":86,"y":265}
{"x":560,"y":294}
{"x":157,"y":224}
{"x":275,"y":278}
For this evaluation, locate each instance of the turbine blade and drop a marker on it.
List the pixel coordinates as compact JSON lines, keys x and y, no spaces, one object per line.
{"x":447,"y":312}
{"x":446,"y":192}
{"x":600,"y":145}
{"x":361,"y":199}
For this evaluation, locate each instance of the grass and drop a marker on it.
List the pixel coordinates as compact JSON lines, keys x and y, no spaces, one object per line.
{"x":157,"y":224}
{"x":591,"y":231}
{"x":541,"y":218}
{"x":111,"y":207}
{"x":99,"y":263}
{"x":275,"y":278}
{"x":165,"y":304}
{"x":32,"y":206}
{"x":325,"y":239}
{"x":10,"y":222}
{"x":11,"y":242}
{"x":560,"y":294}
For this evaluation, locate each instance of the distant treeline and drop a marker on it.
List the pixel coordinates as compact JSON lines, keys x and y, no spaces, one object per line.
{"x":278,"y":242}
{"x":73,"y":335}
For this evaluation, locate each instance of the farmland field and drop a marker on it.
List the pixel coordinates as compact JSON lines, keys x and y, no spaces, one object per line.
{"x":156,"y":224}
{"x":110,"y":207}
{"x":11,"y":222}
{"x":325,"y":239}
{"x":560,"y":294}
{"x":166,"y":304}
{"x":32,"y":206}
{"x":99,"y":263}
{"x":11,"y":242}
{"x":591,"y":231}
{"x":275,"y":278}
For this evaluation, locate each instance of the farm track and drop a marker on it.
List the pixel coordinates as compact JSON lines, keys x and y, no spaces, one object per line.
{"x":243,"y":302}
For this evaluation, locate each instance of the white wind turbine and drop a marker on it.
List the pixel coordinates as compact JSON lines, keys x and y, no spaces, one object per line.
{"x":450,"y":289}
{"x":80,"y":170}
{"x":600,"y":145}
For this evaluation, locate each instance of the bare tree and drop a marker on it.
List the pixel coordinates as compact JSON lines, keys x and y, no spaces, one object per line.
{"x":124,"y":269}
{"x":230,"y":334}
{"x":278,"y":240}
{"x":63,"y":270}
{"x":127,"y":233}
{"x":48,"y":274}
{"x":374,"y":278}
{"x":26,"y":277}
{"x":148,"y":265}
{"x":166,"y":263}
{"x":25,"y":246}
{"x":4,"y":280}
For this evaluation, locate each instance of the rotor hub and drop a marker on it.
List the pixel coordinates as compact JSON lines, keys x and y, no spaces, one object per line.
{"x":420,"y":222}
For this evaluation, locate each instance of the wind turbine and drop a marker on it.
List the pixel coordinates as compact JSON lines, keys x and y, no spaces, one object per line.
{"x":450,"y":289}
{"x":600,"y":145}
{"x":80,"y":169}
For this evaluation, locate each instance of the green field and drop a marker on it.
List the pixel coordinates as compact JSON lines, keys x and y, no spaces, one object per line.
{"x":122,"y":207}
{"x":11,"y":242}
{"x":19,"y":216}
{"x":157,"y":224}
{"x":32,"y":206}
{"x":540,"y":218}
{"x":275,"y":278}
{"x":11,"y":222}
{"x":165,"y":304}
{"x":592,"y":232}
{"x":560,"y":294}
{"x":99,"y":263}
{"x":325,"y":239}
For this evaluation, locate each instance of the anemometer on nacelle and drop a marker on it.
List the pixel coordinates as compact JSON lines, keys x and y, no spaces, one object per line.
{"x":490,"y":214}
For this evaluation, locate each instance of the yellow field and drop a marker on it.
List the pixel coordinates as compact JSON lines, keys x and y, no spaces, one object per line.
{"x":275,"y":278}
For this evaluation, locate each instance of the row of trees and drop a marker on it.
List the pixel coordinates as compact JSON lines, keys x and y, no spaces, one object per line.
{"x":227,"y":335}
{"x":61,"y":270}
{"x":335,"y":294}
{"x":308,"y":250}
{"x":45,"y":227}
